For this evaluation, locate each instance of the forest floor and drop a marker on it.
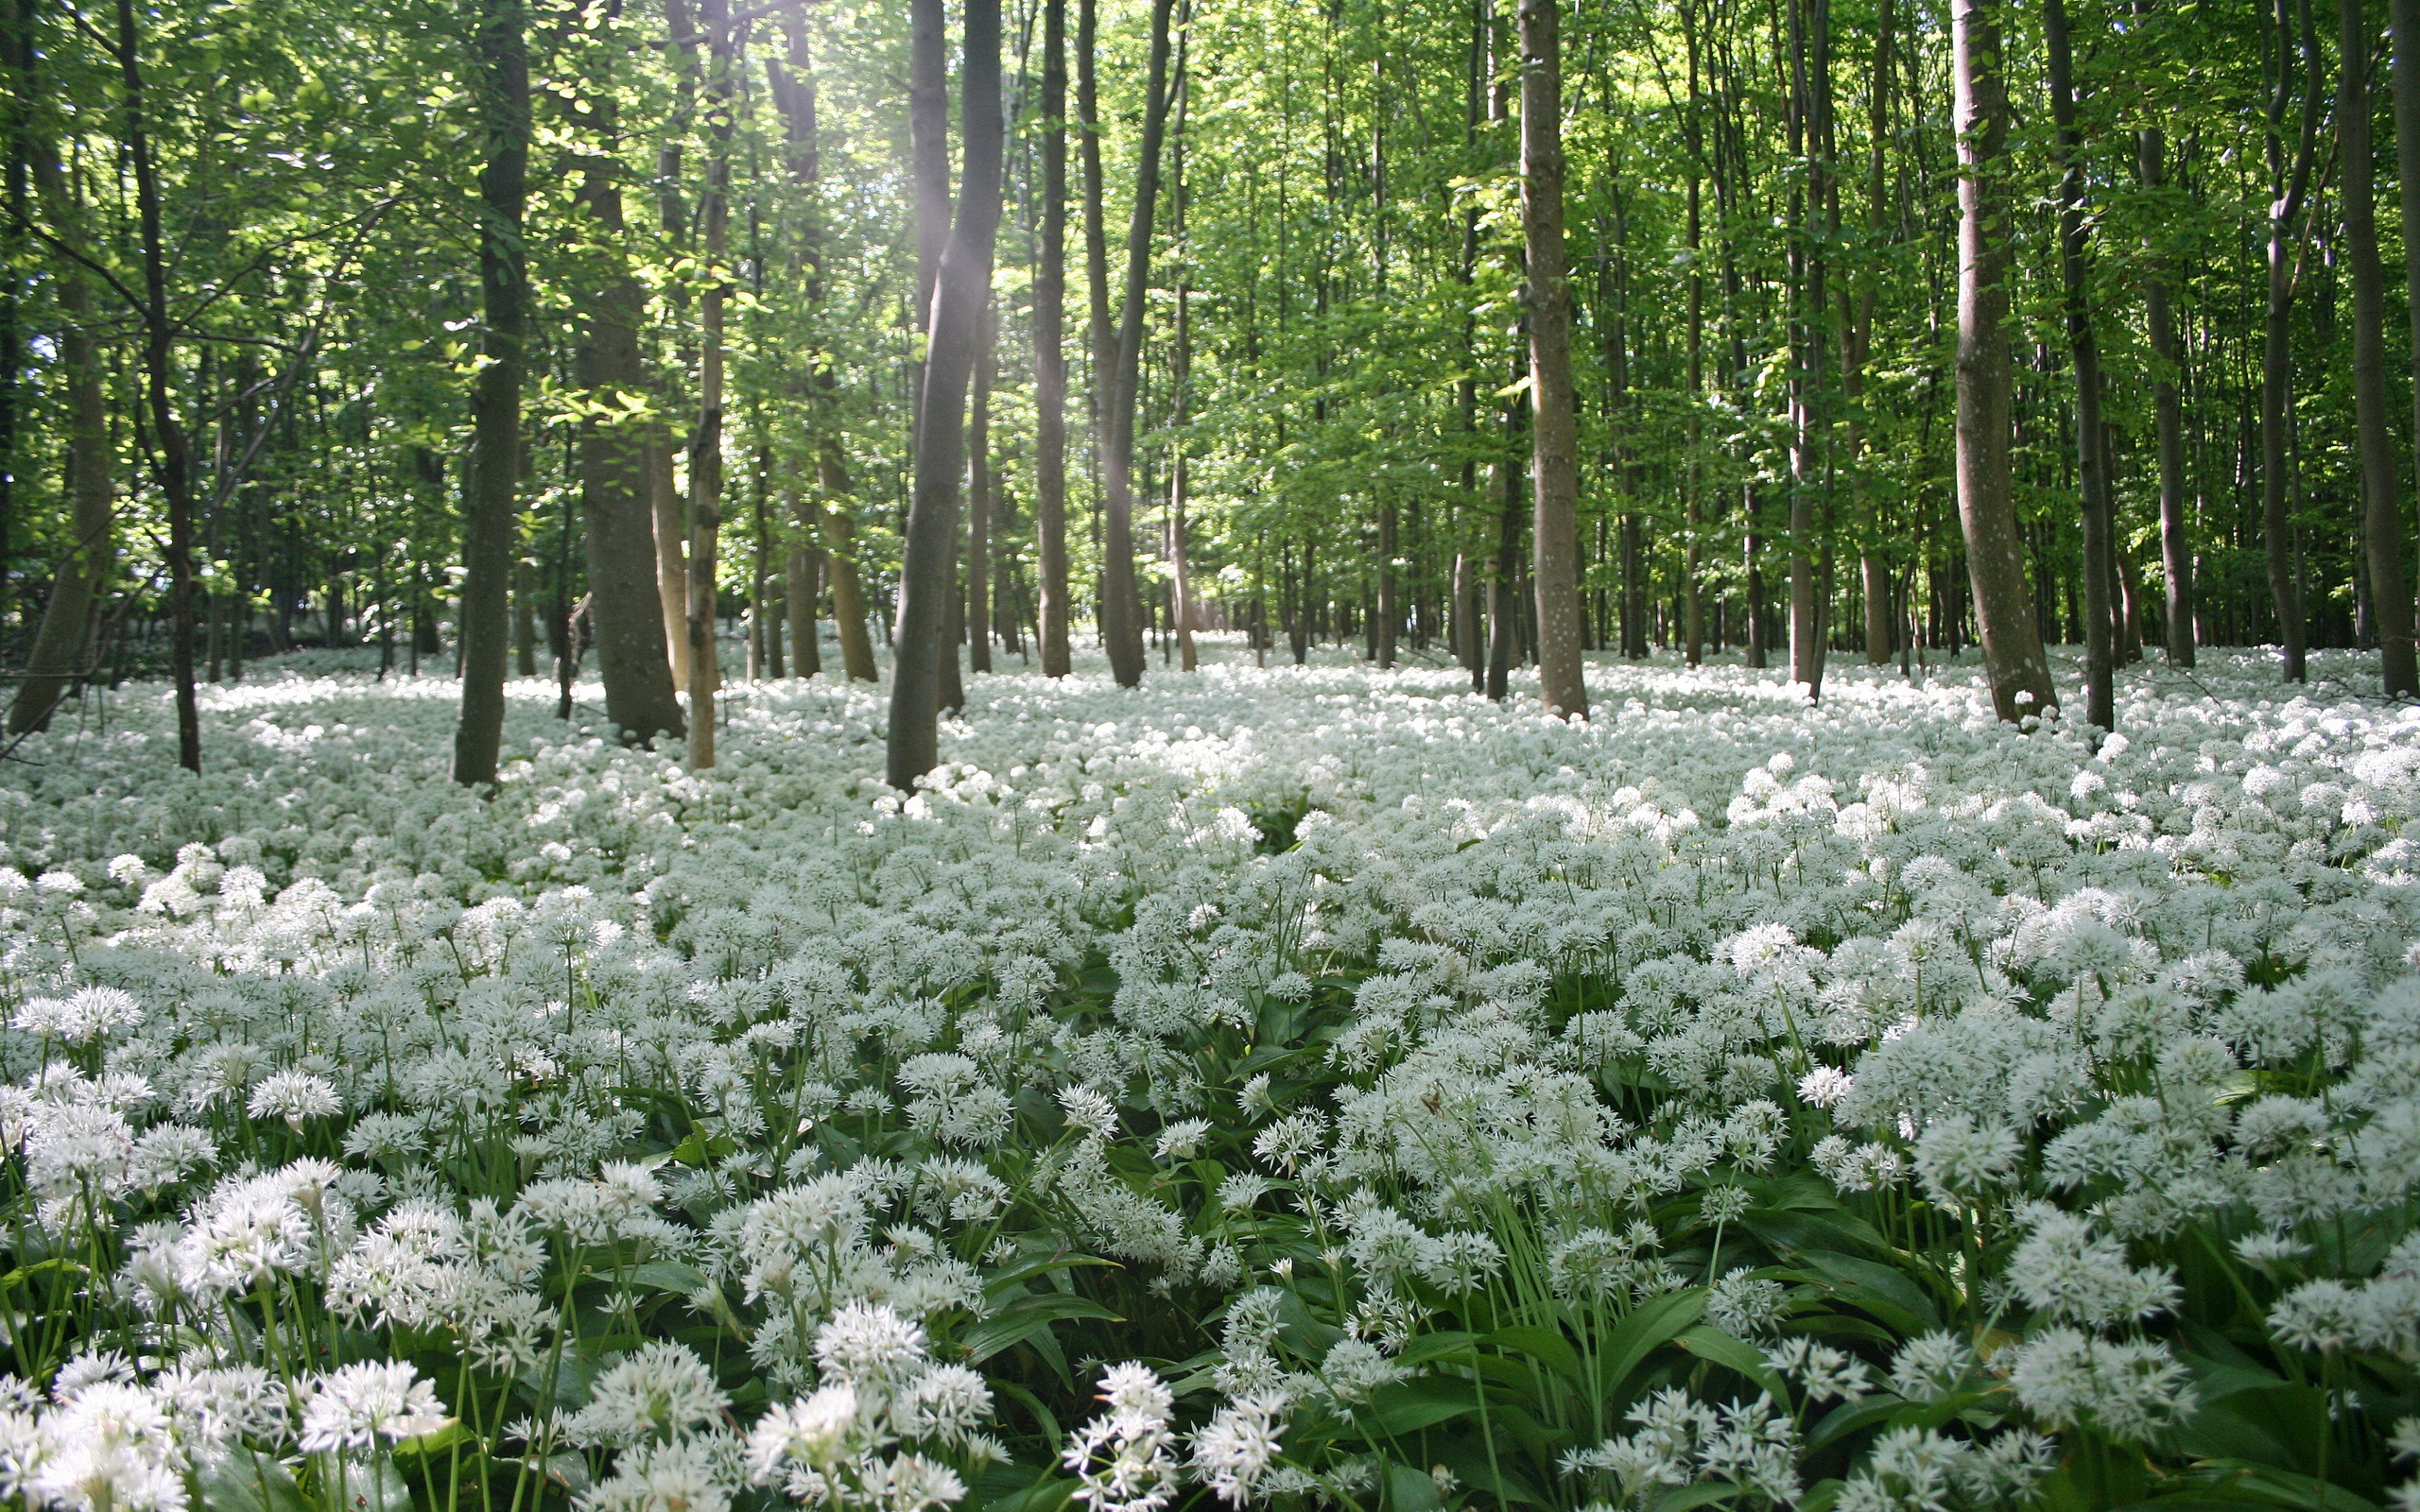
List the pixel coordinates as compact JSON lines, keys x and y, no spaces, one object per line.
{"x":1379,"y":1065}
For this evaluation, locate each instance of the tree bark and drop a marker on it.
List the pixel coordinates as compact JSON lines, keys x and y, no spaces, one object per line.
{"x":979,"y":500}
{"x":803,"y":581}
{"x":1050,"y":351}
{"x":961,"y":283}
{"x":2404,"y":17}
{"x":2168,"y":421}
{"x":1554,"y":424}
{"x":2288,"y":186}
{"x":2382,"y":509}
{"x":2075,"y":272}
{"x":1122,"y":609}
{"x":667,"y":514}
{"x":55,"y":663}
{"x":493,"y":519}
{"x":849,"y":620}
{"x":625,"y":615}
{"x":2013,"y":660}
{"x":706,"y":440}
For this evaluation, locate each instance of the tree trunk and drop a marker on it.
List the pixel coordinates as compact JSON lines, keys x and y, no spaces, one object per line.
{"x":2075,"y":272}
{"x":625,"y":614}
{"x":849,"y":618}
{"x":2381,"y":510}
{"x":1050,"y":351}
{"x":2289,"y":187}
{"x":803,"y":580}
{"x":668,"y":516}
{"x":1554,"y":424}
{"x":2167,"y":423}
{"x":1122,"y":609}
{"x":961,"y":285}
{"x":55,"y":663}
{"x":2404,"y":17}
{"x":705,"y":441}
{"x":978,"y":500}
{"x":2013,"y":660}
{"x":1503,"y":599}
{"x":493,"y":519}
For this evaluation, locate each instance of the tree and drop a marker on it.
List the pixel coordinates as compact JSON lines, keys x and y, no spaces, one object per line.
{"x":1554,"y":425}
{"x":2075,"y":274}
{"x":960,"y":287}
{"x":2013,"y":659}
{"x":1050,"y":351}
{"x":491,"y":521}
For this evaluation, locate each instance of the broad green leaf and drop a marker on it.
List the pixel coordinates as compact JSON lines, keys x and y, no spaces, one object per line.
{"x":1543,"y":1345}
{"x":1026,"y":1317}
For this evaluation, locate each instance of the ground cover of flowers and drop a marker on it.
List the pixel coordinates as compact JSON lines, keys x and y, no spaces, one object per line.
{"x":1307,"y":1088}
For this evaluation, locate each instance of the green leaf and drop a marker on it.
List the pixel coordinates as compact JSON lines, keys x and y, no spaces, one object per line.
{"x":1411,"y":1489}
{"x":669,"y":1276}
{"x":1049,"y":1494}
{"x":1435,"y":1346}
{"x":1409,"y":1407}
{"x":1849,"y":1416}
{"x":1044,"y":1417}
{"x":1027,"y":1315}
{"x":1886,"y":1293}
{"x":1716,"y":1346}
{"x":1008,"y":1281}
{"x":1649,"y":1328}
{"x":1706,"y":1493}
{"x":1543,"y":1345}
{"x":249,"y":1480}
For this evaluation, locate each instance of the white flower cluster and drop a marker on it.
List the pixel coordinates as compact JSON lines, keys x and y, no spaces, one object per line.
{"x":1419,"y":1044}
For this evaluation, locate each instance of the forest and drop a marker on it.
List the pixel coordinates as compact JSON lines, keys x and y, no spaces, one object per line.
{"x":1154,"y":755}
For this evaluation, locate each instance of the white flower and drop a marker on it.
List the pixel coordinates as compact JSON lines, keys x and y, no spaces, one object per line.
{"x":661,"y":1391}
{"x":351,"y":1408}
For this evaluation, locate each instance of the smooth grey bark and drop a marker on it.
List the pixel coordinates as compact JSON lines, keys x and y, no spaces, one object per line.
{"x":625,"y":614}
{"x":1554,"y":422}
{"x":2381,"y":508}
{"x":1121,"y":608}
{"x":55,"y":663}
{"x":1049,"y":353}
{"x":2168,"y":421}
{"x":2288,"y":186}
{"x":2013,"y":660}
{"x":492,"y":518}
{"x":961,"y":285}
{"x":979,"y":500}
{"x":706,"y":440}
{"x":2075,"y":273}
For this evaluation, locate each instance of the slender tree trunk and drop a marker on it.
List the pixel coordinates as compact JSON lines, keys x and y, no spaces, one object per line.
{"x":1050,"y":351}
{"x":625,"y":613}
{"x":2168,"y":421}
{"x":849,"y":617}
{"x":2013,"y":660}
{"x":2075,"y":271}
{"x":961,"y":285}
{"x":55,"y":663}
{"x":803,"y":580}
{"x":705,"y":441}
{"x":2382,"y":509}
{"x":494,"y":521}
{"x":666,"y":514}
{"x":1504,"y":588}
{"x":2404,"y":16}
{"x":978,"y":500}
{"x":2289,"y":187}
{"x":159,"y":336}
{"x":1554,"y":424}
{"x":1859,"y":338}
{"x":1693,"y":363}
{"x":1122,"y":609}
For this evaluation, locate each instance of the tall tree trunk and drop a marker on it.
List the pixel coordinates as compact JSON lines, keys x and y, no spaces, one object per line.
{"x":1504,"y":588}
{"x":2404,"y":16}
{"x":979,"y":500}
{"x":625,"y":613}
{"x":175,"y":466}
{"x":2168,"y":420}
{"x":2013,"y":660}
{"x":1122,"y":609}
{"x":2092,"y":466}
{"x":2382,"y":509}
{"x":1808,"y":120}
{"x":665,"y":513}
{"x":849,"y":618}
{"x":1692,"y":615}
{"x":55,"y":663}
{"x":1554,"y":424}
{"x":1050,"y":351}
{"x":705,"y":441}
{"x":493,"y":521}
{"x":960,"y":287}
{"x":802,"y":579}
{"x":2288,"y":186}
{"x":1859,"y":336}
